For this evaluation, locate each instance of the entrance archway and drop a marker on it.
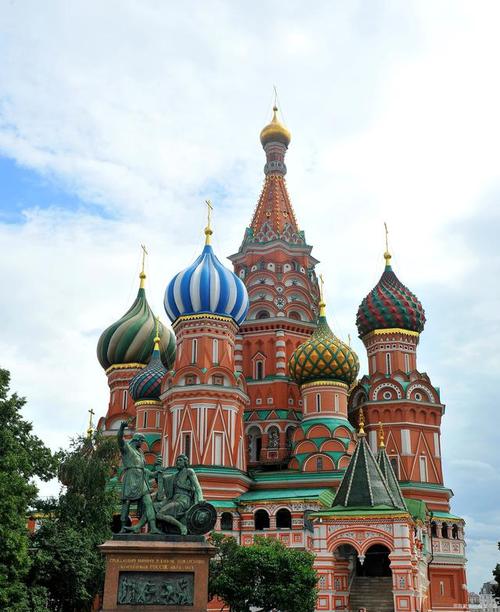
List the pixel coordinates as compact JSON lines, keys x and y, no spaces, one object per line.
{"x":376,"y":562}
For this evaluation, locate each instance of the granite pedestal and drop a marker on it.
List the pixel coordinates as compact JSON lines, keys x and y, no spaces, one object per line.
{"x":156,"y":572}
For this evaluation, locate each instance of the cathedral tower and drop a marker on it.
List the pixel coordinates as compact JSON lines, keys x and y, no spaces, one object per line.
{"x":275,"y":263}
{"x":204,"y":396}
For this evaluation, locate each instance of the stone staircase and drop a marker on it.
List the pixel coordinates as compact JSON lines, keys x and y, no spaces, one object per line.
{"x":372,"y":593}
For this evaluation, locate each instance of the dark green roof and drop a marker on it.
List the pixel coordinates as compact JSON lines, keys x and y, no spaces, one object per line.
{"x":323,"y":495}
{"x":417,"y":508}
{"x":388,"y":473}
{"x":364,"y":485}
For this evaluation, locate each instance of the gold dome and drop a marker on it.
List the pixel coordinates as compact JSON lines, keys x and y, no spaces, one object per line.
{"x":275,"y":131}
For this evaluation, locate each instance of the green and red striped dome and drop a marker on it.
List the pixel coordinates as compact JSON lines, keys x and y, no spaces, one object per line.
{"x":130,"y":340}
{"x":146,"y":384}
{"x":390,"y":304}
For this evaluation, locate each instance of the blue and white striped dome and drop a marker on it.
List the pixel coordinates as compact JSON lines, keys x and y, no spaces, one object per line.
{"x":206,"y":287}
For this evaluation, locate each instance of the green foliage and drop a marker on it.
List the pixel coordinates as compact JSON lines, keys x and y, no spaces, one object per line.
{"x":22,"y":457}
{"x":265,"y":575}
{"x":496,"y":575}
{"x":67,"y":561}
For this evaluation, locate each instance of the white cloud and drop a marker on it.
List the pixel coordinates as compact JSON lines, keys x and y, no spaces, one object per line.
{"x":147,"y":108}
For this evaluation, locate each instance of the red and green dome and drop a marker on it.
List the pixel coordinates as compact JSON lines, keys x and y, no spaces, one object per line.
{"x":323,"y":357}
{"x":131,"y":338}
{"x":146,"y":384}
{"x":389,"y":305}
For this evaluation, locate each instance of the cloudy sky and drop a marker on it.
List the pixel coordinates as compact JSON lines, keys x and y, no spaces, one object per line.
{"x":118,"y":119}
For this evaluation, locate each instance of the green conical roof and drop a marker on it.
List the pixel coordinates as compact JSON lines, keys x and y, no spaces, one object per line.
{"x":364,"y":485}
{"x":390,"y":477}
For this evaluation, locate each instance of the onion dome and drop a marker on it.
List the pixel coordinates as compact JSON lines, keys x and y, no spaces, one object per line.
{"x":390,"y":305}
{"x":323,"y":357}
{"x":130,"y":340}
{"x":206,"y":287}
{"x":146,"y":384}
{"x":275,"y":131}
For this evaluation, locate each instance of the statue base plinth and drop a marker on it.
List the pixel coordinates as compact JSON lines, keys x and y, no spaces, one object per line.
{"x":156,"y":573}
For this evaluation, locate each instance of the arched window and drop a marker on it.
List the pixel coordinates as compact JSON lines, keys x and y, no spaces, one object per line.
{"x":283,"y":519}
{"x":259,"y":369}
{"x":215,"y":351}
{"x":295,"y":315}
{"x":226,"y":521}
{"x":444,"y":530}
{"x":254,"y":443}
{"x":289,"y":438}
{"x":434,"y":530}
{"x":454,"y":531}
{"x":273,"y":437}
{"x":262,"y":314}
{"x":194,"y":350}
{"x":261,"y":520}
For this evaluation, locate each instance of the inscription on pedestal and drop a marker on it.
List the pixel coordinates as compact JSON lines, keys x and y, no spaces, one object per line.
{"x":156,"y":588}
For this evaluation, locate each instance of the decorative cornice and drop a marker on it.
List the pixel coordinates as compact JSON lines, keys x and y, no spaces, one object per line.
{"x":391,"y":330}
{"x":325,"y":383}
{"x":125,"y":366}
{"x":201,"y":315}
{"x":147,"y":403}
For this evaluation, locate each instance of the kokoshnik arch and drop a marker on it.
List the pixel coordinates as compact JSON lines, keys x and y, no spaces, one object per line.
{"x":256,"y":389}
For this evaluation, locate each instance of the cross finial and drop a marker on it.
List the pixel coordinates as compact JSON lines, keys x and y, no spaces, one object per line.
{"x":321,"y":296}
{"x":381,"y":437}
{"x":361,"y":423}
{"x":208,"y":229}
{"x":349,"y":339}
{"x":90,"y":429}
{"x":157,"y":334}
{"x":142,"y":275}
{"x":387,"y":255}
{"x":275,"y":107}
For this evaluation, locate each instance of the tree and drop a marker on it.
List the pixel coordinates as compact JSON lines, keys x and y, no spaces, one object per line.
{"x":22,"y":457}
{"x":266,"y":575}
{"x":67,"y":561}
{"x":496,"y":575}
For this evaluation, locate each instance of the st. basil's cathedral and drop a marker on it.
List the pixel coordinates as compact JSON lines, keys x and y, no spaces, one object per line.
{"x":287,"y":440}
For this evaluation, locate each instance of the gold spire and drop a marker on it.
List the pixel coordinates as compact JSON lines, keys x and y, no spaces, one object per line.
{"x":361,"y":423}
{"x":90,"y":429}
{"x":275,"y":131}
{"x":381,"y":438}
{"x":142,"y":275}
{"x":387,"y":255}
{"x":322,"y":303}
{"x":208,"y":229}
{"x":157,"y":336}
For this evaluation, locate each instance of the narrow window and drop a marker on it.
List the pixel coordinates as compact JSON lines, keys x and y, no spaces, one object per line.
{"x":441,"y":588}
{"x":336,"y":402}
{"x":259,"y":370}
{"x":387,"y":363}
{"x":145,"y":420}
{"x":319,"y":464}
{"x":454,"y":532}
{"x":157,"y":420}
{"x":194,"y":350}
{"x":124,"y":400}
{"x":217,"y":457}
{"x":423,"y":468}
{"x":374,"y":364}
{"x":215,"y":352}
{"x":318,"y":402}
{"x":283,"y":519}
{"x":187,"y":446}
{"x":444,"y":530}
{"x":437,"y":452}
{"x":407,"y":362}
{"x":406,"y":441}
{"x":434,"y":531}
{"x":394,"y":459}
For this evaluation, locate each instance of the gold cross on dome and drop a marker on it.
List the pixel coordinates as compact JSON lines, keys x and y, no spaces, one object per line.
{"x":144,"y":253}
{"x":321,"y":284}
{"x":208,"y":229}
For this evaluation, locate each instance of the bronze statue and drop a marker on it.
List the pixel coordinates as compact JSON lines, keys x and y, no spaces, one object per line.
{"x":177,"y":493}
{"x":135,"y":484}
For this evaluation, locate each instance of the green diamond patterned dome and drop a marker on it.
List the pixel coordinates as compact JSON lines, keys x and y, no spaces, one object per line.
{"x":390,"y":304}
{"x":323,"y":357}
{"x":131,"y":338}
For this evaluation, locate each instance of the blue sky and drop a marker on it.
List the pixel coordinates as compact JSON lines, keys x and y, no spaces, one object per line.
{"x":117,"y":121}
